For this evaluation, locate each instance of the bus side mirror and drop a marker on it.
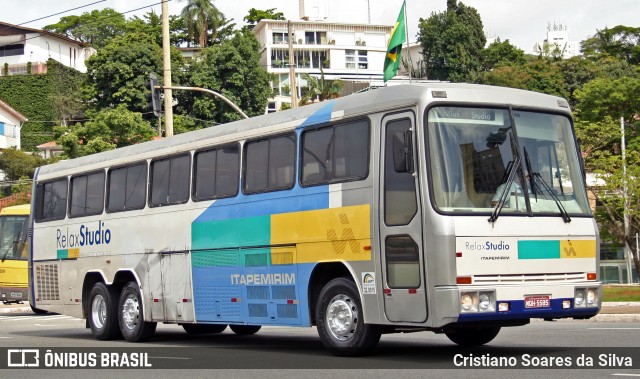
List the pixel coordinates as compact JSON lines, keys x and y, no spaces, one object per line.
{"x":403,"y":152}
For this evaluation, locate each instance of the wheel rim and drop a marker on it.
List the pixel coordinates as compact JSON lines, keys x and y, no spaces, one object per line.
{"x":342,"y":317}
{"x":99,"y":311}
{"x":130,"y":312}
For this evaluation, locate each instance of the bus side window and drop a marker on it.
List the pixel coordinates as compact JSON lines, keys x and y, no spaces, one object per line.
{"x":87,"y":195}
{"x":170,"y":181}
{"x":216,"y":173}
{"x":127,"y":188}
{"x":269,"y":164}
{"x":51,"y":201}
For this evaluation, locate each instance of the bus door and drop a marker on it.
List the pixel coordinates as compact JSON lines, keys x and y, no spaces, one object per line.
{"x":401,"y":222}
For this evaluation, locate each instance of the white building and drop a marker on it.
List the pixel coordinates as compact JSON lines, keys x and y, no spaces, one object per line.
{"x":10,"y":125}
{"x":557,"y":40}
{"x":351,"y":52}
{"x":20,"y":46}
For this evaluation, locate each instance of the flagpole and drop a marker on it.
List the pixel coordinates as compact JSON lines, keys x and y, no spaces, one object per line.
{"x":406,"y":30}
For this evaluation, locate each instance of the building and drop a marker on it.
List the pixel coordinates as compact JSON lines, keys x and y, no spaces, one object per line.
{"x":23,"y":49}
{"x":10,"y":125}
{"x":349,"y":52}
{"x":557,"y":42}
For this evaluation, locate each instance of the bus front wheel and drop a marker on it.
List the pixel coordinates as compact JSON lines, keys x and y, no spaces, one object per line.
{"x":340,"y":322}
{"x":472,"y":336}
{"x":103,"y":314}
{"x":131,"y":320}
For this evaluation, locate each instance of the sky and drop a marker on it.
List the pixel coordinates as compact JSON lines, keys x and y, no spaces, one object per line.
{"x":522,"y":22}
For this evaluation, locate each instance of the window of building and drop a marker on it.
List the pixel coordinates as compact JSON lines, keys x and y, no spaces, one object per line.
{"x":279,"y":58}
{"x":170,"y":181}
{"x":11,"y":50}
{"x":280,"y":38}
{"x":87,"y":195}
{"x":363,"y":62}
{"x":127,"y":188}
{"x":51,"y":200}
{"x":350,"y":58}
{"x":315,"y":38}
{"x":336,"y":153}
{"x":216,"y":173}
{"x":269,"y":164}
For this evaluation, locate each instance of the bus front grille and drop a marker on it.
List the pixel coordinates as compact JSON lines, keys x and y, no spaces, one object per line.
{"x":530,"y":278}
{"x":47,"y":282}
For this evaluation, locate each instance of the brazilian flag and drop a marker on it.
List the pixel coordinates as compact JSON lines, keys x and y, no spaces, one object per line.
{"x":394,"y":49}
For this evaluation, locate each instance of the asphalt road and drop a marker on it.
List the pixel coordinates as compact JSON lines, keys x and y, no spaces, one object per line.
{"x":536,"y":350}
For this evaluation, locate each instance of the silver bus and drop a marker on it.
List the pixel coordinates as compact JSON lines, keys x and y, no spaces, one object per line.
{"x":453,"y":208}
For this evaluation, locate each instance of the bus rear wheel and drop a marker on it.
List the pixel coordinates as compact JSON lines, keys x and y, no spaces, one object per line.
{"x":103,"y":313}
{"x":193,"y":329}
{"x":472,"y":336}
{"x":245,"y":330}
{"x":131,"y":320}
{"x":340,"y":320}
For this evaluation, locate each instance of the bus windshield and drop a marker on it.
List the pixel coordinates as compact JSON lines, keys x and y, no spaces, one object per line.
{"x":12,"y":236}
{"x":472,"y":153}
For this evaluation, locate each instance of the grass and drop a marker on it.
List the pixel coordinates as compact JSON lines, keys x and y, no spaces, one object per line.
{"x":621,"y":293}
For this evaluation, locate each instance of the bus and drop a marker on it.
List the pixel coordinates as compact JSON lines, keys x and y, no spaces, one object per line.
{"x":364,"y":215}
{"x":14,"y":225}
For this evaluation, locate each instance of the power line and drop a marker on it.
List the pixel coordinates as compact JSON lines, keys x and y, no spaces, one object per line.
{"x":102,"y":19}
{"x":55,"y":14}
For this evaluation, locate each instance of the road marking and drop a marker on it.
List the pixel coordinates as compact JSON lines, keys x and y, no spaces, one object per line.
{"x":625,"y":374}
{"x":39,"y":318}
{"x":614,"y":328}
{"x":6,"y":337}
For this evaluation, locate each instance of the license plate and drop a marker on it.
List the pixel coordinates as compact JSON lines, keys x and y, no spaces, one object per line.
{"x":541,"y":301}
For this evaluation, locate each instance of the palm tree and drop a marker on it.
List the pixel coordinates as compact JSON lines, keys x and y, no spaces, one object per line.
{"x":320,"y":87}
{"x":200,"y":16}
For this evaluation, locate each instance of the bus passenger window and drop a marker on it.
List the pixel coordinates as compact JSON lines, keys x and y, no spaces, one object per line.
{"x":335,"y":153}
{"x":87,"y":195}
{"x":51,"y":201}
{"x":216,"y":173}
{"x":170,"y":181}
{"x":127,"y":188}
{"x":269,"y":164}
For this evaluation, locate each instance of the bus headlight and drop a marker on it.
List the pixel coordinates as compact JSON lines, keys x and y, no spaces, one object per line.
{"x":486,"y":302}
{"x":468,"y":301}
{"x":592,"y":297}
{"x":579,"y":298}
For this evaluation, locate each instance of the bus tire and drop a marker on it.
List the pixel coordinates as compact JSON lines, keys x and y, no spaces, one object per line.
{"x":103,"y":312}
{"x":340,"y":321}
{"x":194,"y":329}
{"x":132,"y":324}
{"x":472,"y":336}
{"x":245,"y":330}
{"x":38,"y":311}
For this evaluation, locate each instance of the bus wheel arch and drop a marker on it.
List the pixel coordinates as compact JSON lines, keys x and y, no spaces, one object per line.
{"x":322,"y":274}
{"x":90,"y":280}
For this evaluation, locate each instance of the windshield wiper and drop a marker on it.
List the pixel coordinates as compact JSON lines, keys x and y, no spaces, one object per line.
{"x":505,"y":191}
{"x":537,"y":178}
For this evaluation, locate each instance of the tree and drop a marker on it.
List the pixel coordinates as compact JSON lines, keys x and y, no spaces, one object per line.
{"x":255,"y":15}
{"x":17,"y":164}
{"x":320,"y":88}
{"x":452,"y":42}
{"x":96,"y":28}
{"x":201,"y":16}
{"x":622,"y":42}
{"x":501,"y":54}
{"x":116,"y":73}
{"x":109,"y":129}
{"x":538,"y":75}
{"x":233,"y":69}
{"x":605,"y":97}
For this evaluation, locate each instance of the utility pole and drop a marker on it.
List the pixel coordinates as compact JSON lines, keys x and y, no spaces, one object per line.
{"x":166,"y":64}
{"x":292,"y":70}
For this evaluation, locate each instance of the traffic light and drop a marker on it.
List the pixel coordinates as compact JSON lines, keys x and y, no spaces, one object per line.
{"x":153,"y":95}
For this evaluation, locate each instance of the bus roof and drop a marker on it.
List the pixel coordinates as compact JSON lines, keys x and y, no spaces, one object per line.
{"x":381,"y":99}
{"x":23,"y":209}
